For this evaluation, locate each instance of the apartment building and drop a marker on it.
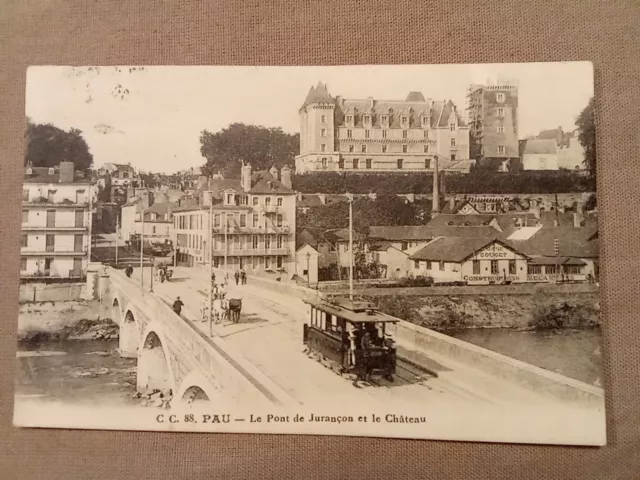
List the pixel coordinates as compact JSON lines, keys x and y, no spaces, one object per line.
{"x":56,"y":219}
{"x":372,"y":135}
{"x":252,"y":224}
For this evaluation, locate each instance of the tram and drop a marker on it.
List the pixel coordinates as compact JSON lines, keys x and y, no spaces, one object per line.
{"x":353,"y":337}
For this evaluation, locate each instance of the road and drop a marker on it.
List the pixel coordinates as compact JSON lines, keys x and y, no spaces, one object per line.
{"x":269,"y":335}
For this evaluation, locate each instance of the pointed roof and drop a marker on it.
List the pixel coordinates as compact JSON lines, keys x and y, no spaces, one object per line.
{"x":318,"y":94}
{"x":415,"y":97}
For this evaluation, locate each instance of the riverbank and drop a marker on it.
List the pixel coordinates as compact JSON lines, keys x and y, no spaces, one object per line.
{"x":50,"y":321}
{"x":448,"y":314}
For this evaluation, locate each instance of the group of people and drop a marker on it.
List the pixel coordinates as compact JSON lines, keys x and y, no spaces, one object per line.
{"x":241,"y":277}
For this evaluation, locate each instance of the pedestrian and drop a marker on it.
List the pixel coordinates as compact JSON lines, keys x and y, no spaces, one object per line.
{"x":243,"y":276}
{"x":129,"y":271}
{"x":237,"y":276}
{"x":177,"y":305}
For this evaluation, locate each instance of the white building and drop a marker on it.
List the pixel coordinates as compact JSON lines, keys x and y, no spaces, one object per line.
{"x":121,"y":175}
{"x":371,"y":135}
{"x":254,"y":223}
{"x":56,"y":221}
{"x":539,"y":154}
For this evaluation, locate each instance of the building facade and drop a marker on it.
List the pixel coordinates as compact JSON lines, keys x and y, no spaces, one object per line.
{"x":539,"y":154}
{"x":493,"y":120}
{"x":56,"y":219}
{"x":252,"y":224}
{"x":369,"y":135}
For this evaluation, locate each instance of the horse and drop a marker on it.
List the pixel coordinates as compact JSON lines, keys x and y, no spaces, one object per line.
{"x":235,"y":307}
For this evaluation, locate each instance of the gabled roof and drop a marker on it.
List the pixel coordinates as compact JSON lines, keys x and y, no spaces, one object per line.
{"x":422,"y":232}
{"x":443,"y":220}
{"x":318,"y":94}
{"x":454,"y":249}
{"x":263,"y":182}
{"x":446,"y":108}
{"x":572,"y":242}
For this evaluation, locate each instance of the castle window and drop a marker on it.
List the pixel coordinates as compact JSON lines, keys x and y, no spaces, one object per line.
{"x":349,"y":132}
{"x":501,"y":112}
{"x":405,"y":121}
{"x":324,"y":163}
{"x":427,"y":163}
{"x":367,"y":119}
{"x":355,"y":163}
{"x":500,"y":128}
{"x":500,"y":97}
{"x":384,"y":134}
{"x":384,"y":149}
{"x":364,"y":149}
{"x":426,"y":149}
{"x":341,"y":164}
{"x":366,"y":134}
{"x":369,"y":162}
{"x":453,"y":142}
{"x":452,"y":127}
{"x":323,"y":118}
{"x":350,"y":148}
{"x":350,"y":119}
{"x":404,"y":134}
{"x":404,"y":148}
{"x":426,"y":134}
{"x":323,"y":147}
{"x":323,"y":132}
{"x":400,"y":162}
{"x":384,"y":120}
{"x":501,"y":149}
{"x":425,"y":121}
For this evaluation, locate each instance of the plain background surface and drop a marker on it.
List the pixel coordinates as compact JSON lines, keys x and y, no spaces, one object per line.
{"x":270,"y":32}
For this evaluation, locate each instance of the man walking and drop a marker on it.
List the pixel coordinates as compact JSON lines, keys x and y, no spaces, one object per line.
{"x":243,"y":277}
{"x":177,"y":305}
{"x":129,"y":271}
{"x":237,"y":276}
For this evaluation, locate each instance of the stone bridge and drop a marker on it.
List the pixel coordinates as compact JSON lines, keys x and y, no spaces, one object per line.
{"x":174,"y":355}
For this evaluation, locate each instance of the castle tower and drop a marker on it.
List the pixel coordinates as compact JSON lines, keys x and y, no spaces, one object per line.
{"x":317,"y":127}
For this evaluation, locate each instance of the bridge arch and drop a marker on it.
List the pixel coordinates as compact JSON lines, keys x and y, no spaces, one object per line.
{"x":196,"y":389}
{"x":154,"y":365}
{"x":116,"y":312}
{"x":129,"y":337}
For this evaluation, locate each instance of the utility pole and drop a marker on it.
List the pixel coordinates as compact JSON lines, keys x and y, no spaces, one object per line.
{"x":226,"y":238}
{"x":210,"y":246}
{"x":351,"y":249}
{"x":117,"y":233}
{"x":142,"y":248}
{"x":152,"y":265}
{"x":556,"y":246}
{"x":90,"y":222}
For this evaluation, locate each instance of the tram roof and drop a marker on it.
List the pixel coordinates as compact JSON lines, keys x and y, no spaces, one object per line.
{"x":354,"y":312}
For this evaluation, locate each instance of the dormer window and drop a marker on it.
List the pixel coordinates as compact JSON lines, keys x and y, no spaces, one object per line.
{"x":425,"y":121}
{"x":230,"y":199}
{"x":51,"y":171}
{"x":452,"y":127}
{"x":405,"y":121}
{"x":367,"y":119}
{"x":384,"y":120}
{"x":349,"y":119}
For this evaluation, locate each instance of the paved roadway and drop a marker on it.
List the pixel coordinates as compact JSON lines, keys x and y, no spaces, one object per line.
{"x":269,"y":335}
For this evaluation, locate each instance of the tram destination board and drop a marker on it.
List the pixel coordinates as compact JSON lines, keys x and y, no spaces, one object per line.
{"x":281,"y":200}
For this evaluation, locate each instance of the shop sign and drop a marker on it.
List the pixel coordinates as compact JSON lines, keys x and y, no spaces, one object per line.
{"x":495,"y":252}
{"x":490,"y":278}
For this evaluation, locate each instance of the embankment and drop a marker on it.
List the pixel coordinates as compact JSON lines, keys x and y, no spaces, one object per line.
{"x":42,"y":321}
{"x":538,"y":311}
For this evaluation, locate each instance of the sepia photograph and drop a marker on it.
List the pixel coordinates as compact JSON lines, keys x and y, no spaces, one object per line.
{"x":405,"y":251}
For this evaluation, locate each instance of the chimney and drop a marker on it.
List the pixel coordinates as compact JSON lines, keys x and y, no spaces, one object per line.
{"x":274,"y":172}
{"x":66,"y":172}
{"x":436,"y":192}
{"x":246,"y":177}
{"x":323,"y":198}
{"x":285,"y":176}
{"x":145,"y":200}
{"x":299,"y":195}
{"x":206,"y":198}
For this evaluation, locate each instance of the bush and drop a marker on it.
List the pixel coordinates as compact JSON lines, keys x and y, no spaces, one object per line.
{"x":563,"y":315}
{"x":419,"y":281}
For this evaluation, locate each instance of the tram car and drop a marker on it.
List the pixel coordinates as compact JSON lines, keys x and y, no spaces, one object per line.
{"x":352,"y":337}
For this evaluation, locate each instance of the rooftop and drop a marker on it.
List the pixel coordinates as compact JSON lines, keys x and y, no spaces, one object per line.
{"x":454,"y":249}
{"x":52,"y":175}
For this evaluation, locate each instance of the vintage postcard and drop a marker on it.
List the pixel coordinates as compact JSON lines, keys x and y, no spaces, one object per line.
{"x":392,"y":251}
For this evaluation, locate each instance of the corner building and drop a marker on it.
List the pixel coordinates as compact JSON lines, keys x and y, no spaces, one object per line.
{"x":369,"y":135}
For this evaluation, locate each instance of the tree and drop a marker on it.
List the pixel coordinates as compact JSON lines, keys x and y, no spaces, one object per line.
{"x":587,"y":137}
{"x":261,"y":147}
{"x":48,"y":145}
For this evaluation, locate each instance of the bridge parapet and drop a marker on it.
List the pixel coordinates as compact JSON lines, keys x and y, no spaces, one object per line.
{"x":188,"y":352}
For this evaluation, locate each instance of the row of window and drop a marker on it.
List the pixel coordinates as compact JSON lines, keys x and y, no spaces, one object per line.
{"x":50,"y":242}
{"x":49,"y":264}
{"x":251,"y":242}
{"x":363,"y":148}
{"x":80,"y":196}
{"x":233,"y":199}
{"x":195,"y":221}
{"x":355,"y":163}
{"x":51,"y":218}
{"x":495,"y":269}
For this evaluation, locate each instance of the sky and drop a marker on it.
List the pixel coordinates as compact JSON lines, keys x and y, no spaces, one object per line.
{"x":152,"y":117}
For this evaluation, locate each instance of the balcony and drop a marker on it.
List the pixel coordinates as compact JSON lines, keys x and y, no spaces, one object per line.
{"x":44,"y":201}
{"x":53,"y":228}
{"x":252,"y":230}
{"x":271,"y":209}
{"x":253,"y":252}
{"x":51,"y":252}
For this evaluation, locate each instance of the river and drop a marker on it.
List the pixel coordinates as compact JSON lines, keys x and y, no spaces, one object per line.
{"x":91,"y":371}
{"x":573,"y":353}
{"x":79,"y":371}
